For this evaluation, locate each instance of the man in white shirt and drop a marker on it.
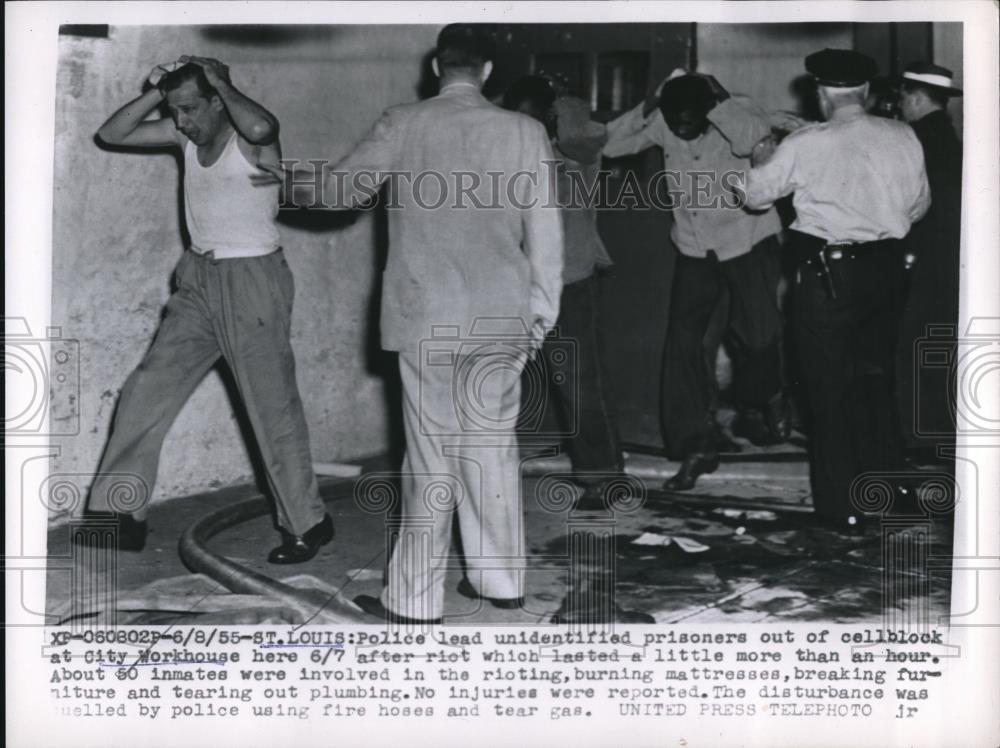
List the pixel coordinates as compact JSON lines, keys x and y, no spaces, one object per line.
{"x":233,"y":300}
{"x":707,"y":136}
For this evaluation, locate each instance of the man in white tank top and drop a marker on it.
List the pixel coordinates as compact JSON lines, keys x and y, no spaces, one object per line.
{"x":233,"y":300}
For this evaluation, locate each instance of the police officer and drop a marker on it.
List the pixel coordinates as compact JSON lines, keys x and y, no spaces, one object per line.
{"x":932,"y":253}
{"x":859,"y":183}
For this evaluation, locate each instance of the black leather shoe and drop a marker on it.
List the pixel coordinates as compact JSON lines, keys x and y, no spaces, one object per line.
{"x":767,"y":427}
{"x":465,"y":589}
{"x":591,"y":500}
{"x":374,"y":607}
{"x":131,"y":534}
{"x":611,"y":494}
{"x":694,"y":465}
{"x":298,"y":548}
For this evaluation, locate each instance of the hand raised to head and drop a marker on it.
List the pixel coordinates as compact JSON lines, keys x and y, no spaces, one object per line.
{"x":215,"y":71}
{"x":157,"y":73}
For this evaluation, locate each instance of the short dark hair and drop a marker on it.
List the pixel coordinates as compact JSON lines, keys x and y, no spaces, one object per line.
{"x":936,"y":95}
{"x":686,"y":93}
{"x":534,"y":89}
{"x":187,"y":72}
{"x":465,"y":46}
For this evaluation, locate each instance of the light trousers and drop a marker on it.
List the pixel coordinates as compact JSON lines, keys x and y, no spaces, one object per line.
{"x":459,"y":415}
{"x":240,"y":310}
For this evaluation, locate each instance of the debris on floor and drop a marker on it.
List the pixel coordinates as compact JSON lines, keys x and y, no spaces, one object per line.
{"x":685,"y":544}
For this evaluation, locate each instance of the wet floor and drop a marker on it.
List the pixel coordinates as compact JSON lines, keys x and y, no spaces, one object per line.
{"x":741,"y":548}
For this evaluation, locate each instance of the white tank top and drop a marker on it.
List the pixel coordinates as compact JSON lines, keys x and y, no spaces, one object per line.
{"x":225,"y":213}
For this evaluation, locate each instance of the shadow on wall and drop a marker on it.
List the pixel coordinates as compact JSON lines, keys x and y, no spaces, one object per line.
{"x":378,"y":362}
{"x":260,"y":35}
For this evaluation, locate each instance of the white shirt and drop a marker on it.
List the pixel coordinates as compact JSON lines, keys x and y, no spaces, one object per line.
{"x":706,"y":216}
{"x":856,"y":178}
{"x":226,"y":213}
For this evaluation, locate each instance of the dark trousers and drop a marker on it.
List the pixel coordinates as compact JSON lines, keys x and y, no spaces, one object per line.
{"x":846,"y":349}
{"x":579,"y":377}
{"x":926,"y":347}
{"x":753,"y":334}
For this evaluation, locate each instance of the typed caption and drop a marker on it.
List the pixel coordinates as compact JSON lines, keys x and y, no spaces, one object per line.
{"x":528,"y":675}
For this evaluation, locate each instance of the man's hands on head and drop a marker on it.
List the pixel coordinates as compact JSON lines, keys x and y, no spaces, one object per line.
{"x":216,"y":73}
{"x":720,"y":93}
{"x":252,"y":121}
{"x":653,"y":100}
{"x":157,"y":73}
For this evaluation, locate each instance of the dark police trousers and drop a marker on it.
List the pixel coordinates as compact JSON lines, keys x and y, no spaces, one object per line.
{"x":846,"y":346}
{"x":578,"y":377}
{"x":239,"y":310}
{"x":753,"y":334}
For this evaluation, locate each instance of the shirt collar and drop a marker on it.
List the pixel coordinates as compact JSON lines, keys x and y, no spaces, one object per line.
{"x":847,"y":112}
{"x":460,"y":87}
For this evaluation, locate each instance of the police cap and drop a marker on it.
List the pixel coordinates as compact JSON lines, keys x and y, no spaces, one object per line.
{"x":841,"y":68}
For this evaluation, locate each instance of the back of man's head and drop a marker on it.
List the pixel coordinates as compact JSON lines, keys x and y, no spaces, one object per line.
{"x":686,"y":93}
{"x":530,"y":92}
{"x":464,"y":47}
{"x":187,"y":72}
{"x":832,"y":98}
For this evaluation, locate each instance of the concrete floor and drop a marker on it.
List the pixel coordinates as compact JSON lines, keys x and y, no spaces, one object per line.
{"x":730,"y":564}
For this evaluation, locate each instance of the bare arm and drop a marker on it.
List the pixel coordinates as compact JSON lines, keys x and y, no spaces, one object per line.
{"x":126,"y":126}
{"x":252,"y":121}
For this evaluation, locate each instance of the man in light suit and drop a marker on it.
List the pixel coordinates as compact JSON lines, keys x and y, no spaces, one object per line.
{"x":471,"y":287}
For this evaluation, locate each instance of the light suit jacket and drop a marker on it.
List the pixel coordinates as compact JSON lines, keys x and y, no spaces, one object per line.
{"x":474,"y":228}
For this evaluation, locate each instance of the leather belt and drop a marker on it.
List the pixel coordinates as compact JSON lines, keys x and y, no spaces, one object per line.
{"x":818,"y":255}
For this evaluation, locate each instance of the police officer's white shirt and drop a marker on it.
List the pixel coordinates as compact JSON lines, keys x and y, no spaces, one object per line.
{"x":856,"y":178}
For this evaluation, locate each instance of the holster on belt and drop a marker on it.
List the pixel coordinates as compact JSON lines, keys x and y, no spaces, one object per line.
{"x":815,"y":253}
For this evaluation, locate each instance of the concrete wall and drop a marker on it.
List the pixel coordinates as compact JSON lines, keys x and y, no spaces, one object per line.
{"x":117,"y":235}
{"x":117,"y":216}
{"x":761,"y":60}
